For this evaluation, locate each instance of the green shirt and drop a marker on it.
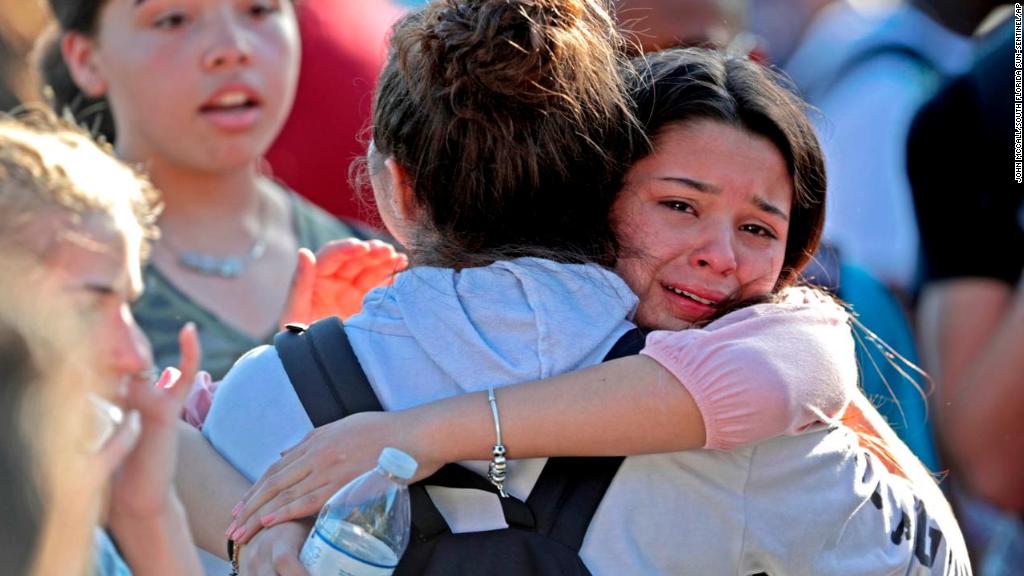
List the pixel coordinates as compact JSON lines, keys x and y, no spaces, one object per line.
{"x":163,"y":309}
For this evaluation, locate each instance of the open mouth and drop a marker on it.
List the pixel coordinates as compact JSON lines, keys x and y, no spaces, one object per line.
{"x":234,"y":101}
{"x":691,"y":296}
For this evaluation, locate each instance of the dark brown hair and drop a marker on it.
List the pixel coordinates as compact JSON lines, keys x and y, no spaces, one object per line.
{"x":81,"y":16}
{"x":684,"y":85}
{"x":511,"y":121}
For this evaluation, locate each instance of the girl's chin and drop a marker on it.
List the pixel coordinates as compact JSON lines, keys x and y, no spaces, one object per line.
{"x":661,"y":320}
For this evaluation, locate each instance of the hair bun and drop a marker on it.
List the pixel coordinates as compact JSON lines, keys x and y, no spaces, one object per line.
{"x":492,"y":54}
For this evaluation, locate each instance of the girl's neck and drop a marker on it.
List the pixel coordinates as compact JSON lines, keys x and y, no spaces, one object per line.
{"x":207,"y":196}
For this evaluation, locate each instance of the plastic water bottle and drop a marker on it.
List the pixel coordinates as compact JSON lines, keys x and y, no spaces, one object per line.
{"x":364,"y":528}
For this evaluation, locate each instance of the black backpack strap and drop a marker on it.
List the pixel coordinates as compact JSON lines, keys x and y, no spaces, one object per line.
{"x":331,"y":385}
{"x":569,"y":490}
{"x":427,"y":520}
{"x":324,"y":371}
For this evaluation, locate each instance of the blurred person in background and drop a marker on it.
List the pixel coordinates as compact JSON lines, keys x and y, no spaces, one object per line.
{"x":971,"y":214}
{"x":20,"y":22}
{"x":81,"y":221}
{"x":653,"y":25}
{"x":868,"y":67}
{"x":198,"y":91}
{"x":342,"y":44}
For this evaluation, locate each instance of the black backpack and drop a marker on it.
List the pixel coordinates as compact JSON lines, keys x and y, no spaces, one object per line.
{"x":545,"y":533}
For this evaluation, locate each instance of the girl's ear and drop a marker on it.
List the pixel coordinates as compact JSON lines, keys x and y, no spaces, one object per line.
{"x":80,"y":57}
{"x":403,"y":199}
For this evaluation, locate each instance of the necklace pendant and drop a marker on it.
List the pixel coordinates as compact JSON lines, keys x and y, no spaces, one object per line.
{"x":228,"y":267}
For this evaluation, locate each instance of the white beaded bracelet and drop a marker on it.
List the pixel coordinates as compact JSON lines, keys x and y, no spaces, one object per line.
{"x":496,"y":471}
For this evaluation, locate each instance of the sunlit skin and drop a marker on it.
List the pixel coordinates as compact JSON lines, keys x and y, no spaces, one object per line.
{"x":93,"y":261}
{"x":706,"y":214}
{"x":196,"y":51}
{"x":97,"y":267}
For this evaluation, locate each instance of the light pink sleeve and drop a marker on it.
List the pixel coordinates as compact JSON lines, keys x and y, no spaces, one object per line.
{"x":765,"y":370}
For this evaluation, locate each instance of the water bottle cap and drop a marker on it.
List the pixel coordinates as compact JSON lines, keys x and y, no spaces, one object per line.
{"x":397,"y":463}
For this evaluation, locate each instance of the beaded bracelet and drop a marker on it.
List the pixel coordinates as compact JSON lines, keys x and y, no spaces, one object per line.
{"x":234,"y":555}
{"x":496,"y":471}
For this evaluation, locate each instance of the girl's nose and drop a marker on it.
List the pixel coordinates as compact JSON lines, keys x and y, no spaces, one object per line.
{"x":229,"y":48}
{"x":715,"y":253}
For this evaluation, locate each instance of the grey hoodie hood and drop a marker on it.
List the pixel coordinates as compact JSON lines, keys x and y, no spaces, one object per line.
{"x":449,"y":332}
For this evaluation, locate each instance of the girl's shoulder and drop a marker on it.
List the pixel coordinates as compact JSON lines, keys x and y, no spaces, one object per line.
{"x":796,"y":306}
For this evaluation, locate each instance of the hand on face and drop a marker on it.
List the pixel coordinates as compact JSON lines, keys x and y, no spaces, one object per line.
{"x":334,"y":282}
{"x":143,"y":482}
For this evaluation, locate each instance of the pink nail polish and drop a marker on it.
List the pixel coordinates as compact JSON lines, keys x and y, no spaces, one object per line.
{"x":267,"y":520}
{"x":230,"y":530}
{"x":165,"y":379}
{"x":238,"y":533}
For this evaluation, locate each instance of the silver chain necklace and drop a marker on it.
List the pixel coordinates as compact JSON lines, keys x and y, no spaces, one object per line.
{"x":228,"y":267}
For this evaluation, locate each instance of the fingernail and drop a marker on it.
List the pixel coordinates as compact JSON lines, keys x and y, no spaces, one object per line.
{"x":169,"y":376}
{"x":238,"y":533}
{"x":267,"y":520}
{"x":236,"y":509}
{"x":230,"y":530}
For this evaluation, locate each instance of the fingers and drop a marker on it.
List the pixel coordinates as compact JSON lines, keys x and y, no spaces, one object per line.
{"x":313,"y":497}
{"x":120,"y":444}
{"x":298,"y":304}
{"x":269,"y":487}
{"x":333,"y":255}
{"x":379,"y":275}
{"x":191,"y":353}
{"x":302,"y":507}
{"x":287,"y":457}
{"x":346,"y":262}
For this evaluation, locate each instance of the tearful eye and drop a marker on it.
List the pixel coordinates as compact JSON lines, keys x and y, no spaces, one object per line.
{"x":677,"y":205}
{"x":757,"y":230}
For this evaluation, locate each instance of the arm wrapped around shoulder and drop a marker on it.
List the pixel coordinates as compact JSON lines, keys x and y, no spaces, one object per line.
{"x":765,"y":370}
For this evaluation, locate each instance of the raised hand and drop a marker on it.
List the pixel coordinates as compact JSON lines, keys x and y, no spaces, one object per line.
{"x":142,"y":483}
{"x":335,"y":280}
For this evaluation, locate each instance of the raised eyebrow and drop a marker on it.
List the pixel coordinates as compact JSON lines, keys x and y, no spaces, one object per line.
{"x":766,"y":206}
{"x":697,"y":185}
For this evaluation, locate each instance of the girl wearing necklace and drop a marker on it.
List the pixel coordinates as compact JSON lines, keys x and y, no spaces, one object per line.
{"x":197,"y":91}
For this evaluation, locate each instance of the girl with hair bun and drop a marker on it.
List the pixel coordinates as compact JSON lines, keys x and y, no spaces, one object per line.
{"x":500,"y":295}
